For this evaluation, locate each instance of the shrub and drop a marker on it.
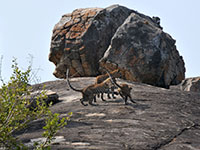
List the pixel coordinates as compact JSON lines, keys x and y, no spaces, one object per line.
{"x":15,"y":115}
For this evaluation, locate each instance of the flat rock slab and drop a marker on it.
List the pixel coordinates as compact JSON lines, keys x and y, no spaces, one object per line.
{"x":160,"y":119}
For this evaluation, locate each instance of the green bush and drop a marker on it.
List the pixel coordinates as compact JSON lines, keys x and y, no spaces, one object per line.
{"x":16,"y":115}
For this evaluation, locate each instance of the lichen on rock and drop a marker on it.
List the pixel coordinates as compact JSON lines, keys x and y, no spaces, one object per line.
{"x":80,"y":39}
{"x":145,"y":52}
{"x":115,"y":37}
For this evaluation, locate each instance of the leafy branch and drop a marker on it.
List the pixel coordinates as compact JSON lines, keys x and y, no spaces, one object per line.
{"x":15,"y":113}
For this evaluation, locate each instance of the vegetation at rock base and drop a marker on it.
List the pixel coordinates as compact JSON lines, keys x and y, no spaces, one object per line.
{"x":16,"y":115}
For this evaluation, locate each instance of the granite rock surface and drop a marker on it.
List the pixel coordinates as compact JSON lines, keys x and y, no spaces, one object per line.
{"x":115,"y":37}
{"x":161,"y":119}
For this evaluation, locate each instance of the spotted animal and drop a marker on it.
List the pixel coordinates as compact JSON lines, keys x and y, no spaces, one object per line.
{"x":123,"y":89}
{"x":125,"y":92}
{"x":89,"y":92}
{"x":99,"y":79}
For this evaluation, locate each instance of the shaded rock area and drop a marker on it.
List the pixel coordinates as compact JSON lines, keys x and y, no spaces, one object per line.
{"x":80,"y":39}
{"x":145,"y":53}
{"x":119,"y":37}
{"x":52,"y":97}
{"x":160,"y":119}
{"x":191,"y":84}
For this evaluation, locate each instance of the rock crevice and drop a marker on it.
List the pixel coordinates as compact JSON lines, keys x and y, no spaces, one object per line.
{"x":172,"y":138}
{"x":115,"y":37}
{"x":160,"y":119}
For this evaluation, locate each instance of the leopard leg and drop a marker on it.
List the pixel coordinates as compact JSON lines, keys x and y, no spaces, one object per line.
{"x":121,"y":95}
{"x":126,"y":100}
{"x":108,"y":95}
{"x":91,"y":99}
{"x":131,"y":99}
{"x":94,"y":98}
{"x":116,"y":93}
{"x":90,"y":102}
{"x":82,"y":102}
{"x":102,"y":97}
{"x":113,"y":93}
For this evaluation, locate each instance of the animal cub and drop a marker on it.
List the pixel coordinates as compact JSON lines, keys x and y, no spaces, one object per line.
{"x":115,"y":74}
{"x":89,"y":92}
{"x":125,"y":92}
{"x":123,"y":89}
{"x":99,"y":79}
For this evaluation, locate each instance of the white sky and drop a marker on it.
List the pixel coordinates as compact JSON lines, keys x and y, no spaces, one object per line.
{"x":26,"y":28}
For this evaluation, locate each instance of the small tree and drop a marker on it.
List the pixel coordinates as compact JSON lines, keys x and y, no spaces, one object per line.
{"x":15,"y":113}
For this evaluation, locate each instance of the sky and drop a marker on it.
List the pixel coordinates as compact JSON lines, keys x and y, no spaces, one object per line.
{"x":26,"y":29}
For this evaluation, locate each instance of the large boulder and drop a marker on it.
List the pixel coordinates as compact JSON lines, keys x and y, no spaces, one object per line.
{"x":145,"y":53}
{"x":80,"y":39}
{"x":191,"y":84}
{"x":115,"y":37}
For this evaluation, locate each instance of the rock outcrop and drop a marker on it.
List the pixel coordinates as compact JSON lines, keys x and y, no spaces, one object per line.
{"x":191,"y":84}
{"x":51,"y":98}
{"x":161,"y":119}
{"x":120,"y":38}
{"x":80,"y":39}
{"x":145,"y":53}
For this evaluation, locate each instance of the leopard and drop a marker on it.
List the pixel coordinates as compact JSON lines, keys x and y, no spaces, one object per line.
{"x":115,"y":74}
{"x":89,"y":92}
{"x":100,"y":78}
{"x":125,"y":92}
{"x":123,"y":89}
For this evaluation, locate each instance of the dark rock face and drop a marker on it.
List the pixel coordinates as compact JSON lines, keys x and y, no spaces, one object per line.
{"x":161,"y":119}
{"x":120,"y":38}
{"x":52,"y":97}
{"x":145,"y":52}
{"x":191,"y":84}
{"x":80,"y":39}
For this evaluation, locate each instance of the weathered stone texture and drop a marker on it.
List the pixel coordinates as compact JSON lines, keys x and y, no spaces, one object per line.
{"x":161,"y":119}
{"x":191,"y":84}
{"x":117,"y":37}
{"x":147,"y":53}
{"x":52,"y":97}
{"x":80,"y":39}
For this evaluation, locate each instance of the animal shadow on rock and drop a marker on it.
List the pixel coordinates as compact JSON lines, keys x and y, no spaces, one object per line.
{"x":142,"y":100}
{"x":120,"y":103}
